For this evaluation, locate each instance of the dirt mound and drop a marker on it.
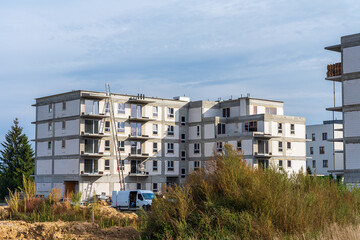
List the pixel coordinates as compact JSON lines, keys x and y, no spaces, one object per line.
{"x":63,"y":230}
{"x":110,"y":212}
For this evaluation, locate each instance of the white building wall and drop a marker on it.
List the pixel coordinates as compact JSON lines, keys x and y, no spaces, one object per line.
{"x":194,"y":115}
{"x":211,"y":112}
{"x":176,"y":169}
{"x":193,"y":132}
{"x":209,"y":131}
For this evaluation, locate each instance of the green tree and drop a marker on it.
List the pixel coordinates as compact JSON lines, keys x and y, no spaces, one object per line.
{"x":16,"y":160}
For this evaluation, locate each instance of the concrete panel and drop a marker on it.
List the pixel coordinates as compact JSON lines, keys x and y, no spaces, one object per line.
{"x":60,"y":186}
{"x":235,"y":111}
{"x":243,"y":107}
{"x":351,"y":92}
{"x":100,"y":188}
{"x":351,"y":128}
{"x":176,"y":169}
{"x":43,"y":130}
{"x":176,"y":151}
{"x":211,"y":112}
{"x":351,"y":59}
{"x":43,"y":167}
{"x":43,"y":113}
{"x":193,"y":132}
{"x":66,"y":166}
{"x":194,"y":115}
{"x":42,"y":187}
{"x":42,"y":149}
{"x":72,"y":109}
{"x":72,"y":127}
{"x":209,"y":131}
{"x":352,"y":152}
{"x":210,"y":148}
{"x":71,"y":147}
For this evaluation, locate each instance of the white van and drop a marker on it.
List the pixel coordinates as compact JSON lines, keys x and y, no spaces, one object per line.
{"x":132,"y":200}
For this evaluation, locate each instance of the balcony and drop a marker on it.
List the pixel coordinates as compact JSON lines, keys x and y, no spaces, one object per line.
{"x":93,"y":174}
{"x":333,"y":70}
{"x":92,"y":135}
{"x":94,"y":115}
{"x":137,"y":169}
{"x":335,"y":140}
{"x":138,"y":137}
{"x":139,"y":155}
{"x":139,"y":100}
{"x":138,"y":174}
{"x":92,"y":154}
{"x":140,"y":119}
{"x":335,"y":109}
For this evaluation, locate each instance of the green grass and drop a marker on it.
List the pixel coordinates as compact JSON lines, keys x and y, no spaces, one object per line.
{"x":232,"y":200}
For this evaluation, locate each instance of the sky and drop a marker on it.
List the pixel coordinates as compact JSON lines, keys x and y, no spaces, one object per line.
{"x":272,"y":49}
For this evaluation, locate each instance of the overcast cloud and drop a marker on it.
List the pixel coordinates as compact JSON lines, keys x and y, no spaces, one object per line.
{"x":203,"y":49}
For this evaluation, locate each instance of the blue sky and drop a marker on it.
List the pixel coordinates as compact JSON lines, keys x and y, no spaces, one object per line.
{"x":203,"y":49}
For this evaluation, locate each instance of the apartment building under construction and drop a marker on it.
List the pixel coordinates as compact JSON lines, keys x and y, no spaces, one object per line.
{"x":96,"y":142}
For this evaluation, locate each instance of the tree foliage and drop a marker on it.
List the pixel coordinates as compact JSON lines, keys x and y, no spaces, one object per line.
{"x":16,"y":160}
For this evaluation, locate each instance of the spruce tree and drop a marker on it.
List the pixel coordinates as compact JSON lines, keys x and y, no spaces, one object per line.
{"x":16,"y":160}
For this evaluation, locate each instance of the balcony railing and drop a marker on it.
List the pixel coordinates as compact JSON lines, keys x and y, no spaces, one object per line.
{"x":333,"y":70}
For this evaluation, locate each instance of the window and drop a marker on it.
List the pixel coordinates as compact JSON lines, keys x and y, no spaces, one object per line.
{"x":270,"y":110}
{"x":255,"y":110}
{"x":226,"y":112}
{"x":196,"y":165}
{"x":170,"y":148}
{"x":136,"y":111}
{"x":239,"y":145}
{"x":138,"y":186}
{"x":155,"y":111}
{"x":219,"y":146}
{"x":196,"y":147}
{"x":49,"y":145}
{"x":121,"y":108}
{"x":91,"y":146}
{"x":280,"y":147}
{"x":314,"y":163}
{"x":289,"y":163}
{"x":135,"y":129}
{"x":170,"y":112}
{"x":313,"y":137}
{"x":155,"y":129}
{"x":170,"y":130}
{"x":292,"y":128}
{"x":288,"y":145}
{"x":322,"y":150}
{"x":63,"y":143}
{"x":280,"y":127}
{"x":107,"y":107}
{"x":170,"y":166}
{"x":135,"y":148}
{"x":183,"y":120}
{"x":50,"y":108}
{"x":183,"y":155}
{"x":325,"y":163}
{"x":121,"y":127}
{"x":107,"y":145}
{"x":50,"y":126}
{"x":107,"y":164}
{"x":122,"y":165}
{"x":280,"y":164}
{"x":198,"y":130}
{"x":250,"y":126}
{"x":107,"y":126}
{"x":183,"y":173}
{"x":155,"y":147}
{"x":91,"y":126}
{"x":64,"y":106}
{"x":91,"y":107}
{"x":63,"y":125}
{"x":121,"y":146}
{"x":311,"y":150}
{"x":183,"y":138}
{"x":324,"y":136}
{"x":155,"y":187}
{"x":263,"y":147}
{"x":91,"y":166}
{"x":221,"y":128}
{"x":155,"y":165}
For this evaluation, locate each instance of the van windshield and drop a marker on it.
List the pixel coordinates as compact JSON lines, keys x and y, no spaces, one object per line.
{"x":148,"y":196}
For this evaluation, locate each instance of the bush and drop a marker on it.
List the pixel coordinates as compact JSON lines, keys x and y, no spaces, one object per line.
{"x":233,"y":200}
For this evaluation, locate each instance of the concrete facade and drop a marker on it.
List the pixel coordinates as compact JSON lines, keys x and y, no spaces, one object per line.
{"x":170,"y":137}
{"x":322,"y":150}
{"x":349,"y":79}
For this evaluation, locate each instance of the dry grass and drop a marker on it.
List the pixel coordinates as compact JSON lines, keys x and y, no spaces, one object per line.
{"x":236,"y":201}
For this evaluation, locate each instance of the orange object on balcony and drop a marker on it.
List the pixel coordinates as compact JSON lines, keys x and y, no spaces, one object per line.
{"x":333,"y":70}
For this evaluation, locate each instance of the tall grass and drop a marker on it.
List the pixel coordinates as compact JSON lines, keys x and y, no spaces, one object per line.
{"x":233,"y":200}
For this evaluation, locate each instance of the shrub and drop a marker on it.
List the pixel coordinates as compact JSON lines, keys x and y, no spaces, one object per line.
{"x":233,"y":200}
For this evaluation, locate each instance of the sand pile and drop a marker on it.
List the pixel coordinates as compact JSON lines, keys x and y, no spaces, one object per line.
{"x":110,"y":212}
{"x":63,"y":230}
